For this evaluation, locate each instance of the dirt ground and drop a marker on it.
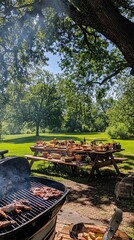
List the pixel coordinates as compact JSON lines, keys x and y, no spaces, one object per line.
{"x":94,"y":203}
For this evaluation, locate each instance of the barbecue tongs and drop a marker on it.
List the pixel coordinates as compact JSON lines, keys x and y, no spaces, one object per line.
{"x":110,"y":231}
{"x":113,"y":225}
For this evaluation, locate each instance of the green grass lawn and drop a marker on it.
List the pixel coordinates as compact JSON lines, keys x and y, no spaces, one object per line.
{"x":19,"y":144}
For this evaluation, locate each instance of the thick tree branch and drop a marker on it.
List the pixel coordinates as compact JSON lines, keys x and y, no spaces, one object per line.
{"x":105,"y":79}
{"x":102,"y":15}
{"x":106,"y":19}
{"x":111,"y":75}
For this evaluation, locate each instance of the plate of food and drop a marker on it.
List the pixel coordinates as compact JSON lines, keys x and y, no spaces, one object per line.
{"x":56,"y":155}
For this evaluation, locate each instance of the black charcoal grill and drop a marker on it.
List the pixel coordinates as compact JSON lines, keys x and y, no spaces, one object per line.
{"x":15,"y":184}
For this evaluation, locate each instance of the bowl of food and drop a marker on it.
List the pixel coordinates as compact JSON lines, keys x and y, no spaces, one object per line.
{"x":45,"y":154}
{"x":77,"y":157}
{"x":56,"y":155}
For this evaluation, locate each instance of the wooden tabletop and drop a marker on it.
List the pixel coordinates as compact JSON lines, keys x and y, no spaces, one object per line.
{"x":73,"y":150}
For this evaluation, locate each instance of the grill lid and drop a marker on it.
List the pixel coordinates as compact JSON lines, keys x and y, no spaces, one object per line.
{"x":14,"y":175}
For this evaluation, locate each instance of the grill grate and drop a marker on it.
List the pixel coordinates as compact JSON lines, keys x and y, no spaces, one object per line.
{"x":39,"y":207}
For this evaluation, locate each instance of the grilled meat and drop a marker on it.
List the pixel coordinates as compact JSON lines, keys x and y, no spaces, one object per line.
{"x":4,"y":224}
{"x":46,"y":192}
{"x":3,"y":214}
{"x":16,"y":206}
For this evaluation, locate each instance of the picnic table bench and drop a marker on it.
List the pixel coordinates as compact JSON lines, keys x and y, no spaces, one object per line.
{"x":2,"y":152}
{"x":120,"y":159}
{"x":72,"y":165}
{"x":104,"y":158}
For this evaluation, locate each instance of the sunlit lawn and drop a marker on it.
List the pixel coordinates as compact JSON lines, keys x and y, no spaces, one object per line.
{"x":19,"y":144}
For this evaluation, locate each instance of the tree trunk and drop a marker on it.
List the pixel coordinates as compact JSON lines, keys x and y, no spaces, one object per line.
{"x":37,"y":130}
{"x":0,"y":129}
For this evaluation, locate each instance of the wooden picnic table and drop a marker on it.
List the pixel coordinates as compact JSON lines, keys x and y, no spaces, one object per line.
{"x":99,"y":159}
{"x":2,"y":152}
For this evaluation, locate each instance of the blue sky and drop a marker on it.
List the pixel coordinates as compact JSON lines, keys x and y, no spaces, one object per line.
{"x":53,"y":66}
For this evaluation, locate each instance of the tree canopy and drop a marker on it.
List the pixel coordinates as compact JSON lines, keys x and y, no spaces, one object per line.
{"x":111,"y":18}
{"x":121,"y":114}
{"x":37,"y":103}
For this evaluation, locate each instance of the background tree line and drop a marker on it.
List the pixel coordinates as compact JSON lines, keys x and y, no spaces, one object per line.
{"x":52,"y":103}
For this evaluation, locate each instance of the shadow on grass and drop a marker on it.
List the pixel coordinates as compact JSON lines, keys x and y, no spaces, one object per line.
{"x":127,"y":164}
{"x":31,"y":139}
{"x":97,"y":191}
{"x":61,"y":171}
{"x":130,"y":157}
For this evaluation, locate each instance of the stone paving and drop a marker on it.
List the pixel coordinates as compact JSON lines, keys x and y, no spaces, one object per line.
{"x":66,"y":217}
